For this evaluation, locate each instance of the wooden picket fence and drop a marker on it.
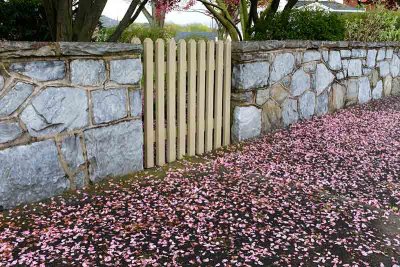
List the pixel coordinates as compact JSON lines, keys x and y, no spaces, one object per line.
{"x":187,"y":91}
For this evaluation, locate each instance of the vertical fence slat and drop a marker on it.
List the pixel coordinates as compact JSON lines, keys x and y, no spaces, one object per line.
{"x":181,"y":99}
{"x":160,"y":107}
{"x":201,"y":75}
{"x":218,"y":94}
{"x":148,"y":103}
{"x":210,"y":95}
{"x":171,"y":101}
{"x":226,"y":119}
{"x":192,"y":98}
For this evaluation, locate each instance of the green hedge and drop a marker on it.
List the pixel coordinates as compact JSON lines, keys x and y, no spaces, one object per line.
{"x":300,"y":25}
{"x":373,"y":26}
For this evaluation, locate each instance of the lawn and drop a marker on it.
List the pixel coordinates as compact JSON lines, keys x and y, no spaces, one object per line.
{"x":324,"y":192}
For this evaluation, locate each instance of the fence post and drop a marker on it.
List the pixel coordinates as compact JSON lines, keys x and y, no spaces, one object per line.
{"x":160,"y":107}
{"x":148,"y":103}
{"x":201,"y":76}
{"x":210,"y":94}
{"x":181,"y":99}
{"x":219,"y":68}
{"x":192,"y":98}
{"x":227,"y":95}
{"x":171,"y":101}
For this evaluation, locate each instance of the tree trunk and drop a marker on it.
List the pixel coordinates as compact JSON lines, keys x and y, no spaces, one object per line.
{"x":148,"y":16}
{"x":87,"y":19}
{"x":290,"y":4}
{"x":271,"y":9}
{"x":59,"y":17}
{"x":130,"y":16}
{"x":228,"y":24}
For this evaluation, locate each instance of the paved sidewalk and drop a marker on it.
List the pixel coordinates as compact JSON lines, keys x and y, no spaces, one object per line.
{"x":325,"y":192}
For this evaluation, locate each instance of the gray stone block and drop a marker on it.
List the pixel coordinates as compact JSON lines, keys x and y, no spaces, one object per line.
{"x":109,"y":105}
{"x":88,"y":72}
{"x":395,"y":66}
{"x":250,"y":75}
{"x":345,"y":53}
{"x":300,"y":83}
{"x":9,"y":131}
{"x":307,"y":105}
{"x":136,"y":103}
{"x":357,"y":53}
{"x":384,"y":68}
{"x":381,"y":54}
{"x":389,"y":53}
{"x":282,"y":66}
{"x":290,"y":114}
{"x":323,"y":78}
{"x":322,"y":103}
{"x":377,"y":91}
{"x":41,"y":70}
{"x":126,"y":71}
{"x":364,"y":90}
{"x":371,"y":58}
{"x":311,"y":56}
{"x":56,"y":109}
{"x":71,"y":150}
{"x":98,"y":49}
{"x":387,"y":85}
{"x":335,"y":61}
{"x":14,"y":98}
{"x":30,"y":173}
{"x":246,"y":123}
{"x":114,"y":150}
{"x":355,"y":68}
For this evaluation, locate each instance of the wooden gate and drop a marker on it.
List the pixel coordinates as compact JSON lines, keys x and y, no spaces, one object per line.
{"x":187,"y":92}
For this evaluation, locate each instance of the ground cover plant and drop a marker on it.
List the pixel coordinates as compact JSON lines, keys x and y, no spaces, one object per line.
{"x":324,"y":192}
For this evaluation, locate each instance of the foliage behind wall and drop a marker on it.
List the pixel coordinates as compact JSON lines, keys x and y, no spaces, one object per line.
{"x":23,"y":20}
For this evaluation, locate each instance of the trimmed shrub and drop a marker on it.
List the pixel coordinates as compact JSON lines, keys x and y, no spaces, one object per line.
{"x":300,"y":25}
{"x":373,"y":26}
{"x":23,"y":20}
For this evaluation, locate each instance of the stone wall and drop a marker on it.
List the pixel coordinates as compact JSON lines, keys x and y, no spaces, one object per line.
{"x":277,"y":83}
{"x":70,"y":114}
